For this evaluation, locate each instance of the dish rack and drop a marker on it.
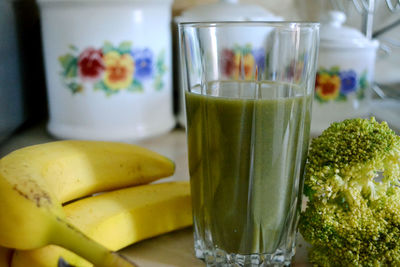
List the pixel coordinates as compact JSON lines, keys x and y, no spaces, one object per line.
{"x":366,"y":8}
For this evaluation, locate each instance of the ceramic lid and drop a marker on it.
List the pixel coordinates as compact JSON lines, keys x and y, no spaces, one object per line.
{"x":227,"y":10}
{"x":334,"y":34}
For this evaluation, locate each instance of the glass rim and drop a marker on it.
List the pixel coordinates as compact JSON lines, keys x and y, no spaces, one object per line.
{"x":258,"y":23}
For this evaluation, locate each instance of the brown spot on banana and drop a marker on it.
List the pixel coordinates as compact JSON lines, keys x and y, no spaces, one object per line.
{"x":30,"y":190}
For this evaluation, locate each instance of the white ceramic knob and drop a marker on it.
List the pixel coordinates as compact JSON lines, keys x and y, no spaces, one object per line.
{"x":334,"y":18}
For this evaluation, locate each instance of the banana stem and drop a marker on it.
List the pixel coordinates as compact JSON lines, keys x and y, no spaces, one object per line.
{"x":67,"y":236}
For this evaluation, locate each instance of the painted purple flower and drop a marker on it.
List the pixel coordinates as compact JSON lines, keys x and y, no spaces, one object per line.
{"x":259,"y":57}
{"x":143,"y":63}
{"x":348,"y":81}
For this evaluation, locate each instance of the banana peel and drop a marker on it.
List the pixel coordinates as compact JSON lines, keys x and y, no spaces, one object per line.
{"x":47,"y":256}
{"x":35,"y":180}
{"x":117,"y":219}
{"x":73,"y":168}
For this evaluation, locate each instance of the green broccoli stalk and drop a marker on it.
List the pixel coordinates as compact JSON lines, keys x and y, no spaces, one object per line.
{"x":352,"y":182}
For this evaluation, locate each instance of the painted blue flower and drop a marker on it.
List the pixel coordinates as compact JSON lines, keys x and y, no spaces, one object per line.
{"x":143,"y":63}
{"x":259,"y":57}
{"x":348,"y":81}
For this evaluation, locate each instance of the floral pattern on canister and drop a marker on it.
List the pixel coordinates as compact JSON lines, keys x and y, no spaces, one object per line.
{"x":240,"y":62}
{"x":112,"y":69}
{"x":335,"y":84}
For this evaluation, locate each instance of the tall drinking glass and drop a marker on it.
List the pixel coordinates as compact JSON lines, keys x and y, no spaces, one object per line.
{"x":248,"y":95}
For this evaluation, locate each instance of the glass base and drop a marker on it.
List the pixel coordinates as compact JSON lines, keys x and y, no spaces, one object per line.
{"x":220,"y":258}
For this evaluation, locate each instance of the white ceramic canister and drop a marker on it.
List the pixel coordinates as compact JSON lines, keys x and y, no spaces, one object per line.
{"x":252,"y":45}
{"x":345,"y":72}
{"x":108,"y":68}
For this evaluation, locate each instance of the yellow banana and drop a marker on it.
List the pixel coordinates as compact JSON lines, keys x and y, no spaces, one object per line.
{"x":117,"y":219}
{"x":46,"y":257}
{"x":73,"y":169}
{"x":35,"y":179}
{"x":32,"y":217}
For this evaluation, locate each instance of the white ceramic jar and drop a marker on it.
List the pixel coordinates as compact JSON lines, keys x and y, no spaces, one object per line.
{"x":345,"y":72}
{"x":252,"y":43}
{"x":108,"y":68}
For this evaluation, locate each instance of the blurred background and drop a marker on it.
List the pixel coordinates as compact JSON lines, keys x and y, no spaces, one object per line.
{"x":24,"y":99}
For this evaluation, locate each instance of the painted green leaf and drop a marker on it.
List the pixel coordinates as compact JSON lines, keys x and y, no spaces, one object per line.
{"x":161,"y":68}
{"x":237,"y":49}
{"x":363,"y":86}
{"x":361,"y":94}
{"x":107,"y":47}
{"x":341,"y":98}
{"x":75,"y":87}
{"x":99,"y":85}
{"x":363,"y":83}
{"x":267,"y":63}
{"x":66,"y":60}
{"x":247,"y":49}
{"x":73,"y":48}
{"x":72,"y":70}
{"x":160,"y":65}
{"x":135,"y":86}
{"x":103,"y":87}
{"x":161,"y":55}
{"x":125,"y":47}
{"x":158,"y":83}
{"x":323,"y":71}
{"x":110,"y":92}
{"x":319,"y":99}
{"x":335,"y":70}
{"x":363,"y":80}
{"x":69,"y":63}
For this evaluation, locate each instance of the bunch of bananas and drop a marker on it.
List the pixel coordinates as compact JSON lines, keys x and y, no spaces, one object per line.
{"x":49,"y":215}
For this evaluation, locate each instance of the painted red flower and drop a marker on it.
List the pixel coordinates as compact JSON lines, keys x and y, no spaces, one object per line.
{"x":228,"y":62}
{"x":91,"y":65}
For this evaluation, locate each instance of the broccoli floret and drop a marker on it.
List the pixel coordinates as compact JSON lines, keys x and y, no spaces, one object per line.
{"x":352,"y":182}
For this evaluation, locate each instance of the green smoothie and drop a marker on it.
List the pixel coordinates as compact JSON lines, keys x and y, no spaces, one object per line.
{"x":247,"y":144}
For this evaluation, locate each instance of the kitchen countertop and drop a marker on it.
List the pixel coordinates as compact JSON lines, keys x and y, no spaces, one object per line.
{"x":169,"y":250}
